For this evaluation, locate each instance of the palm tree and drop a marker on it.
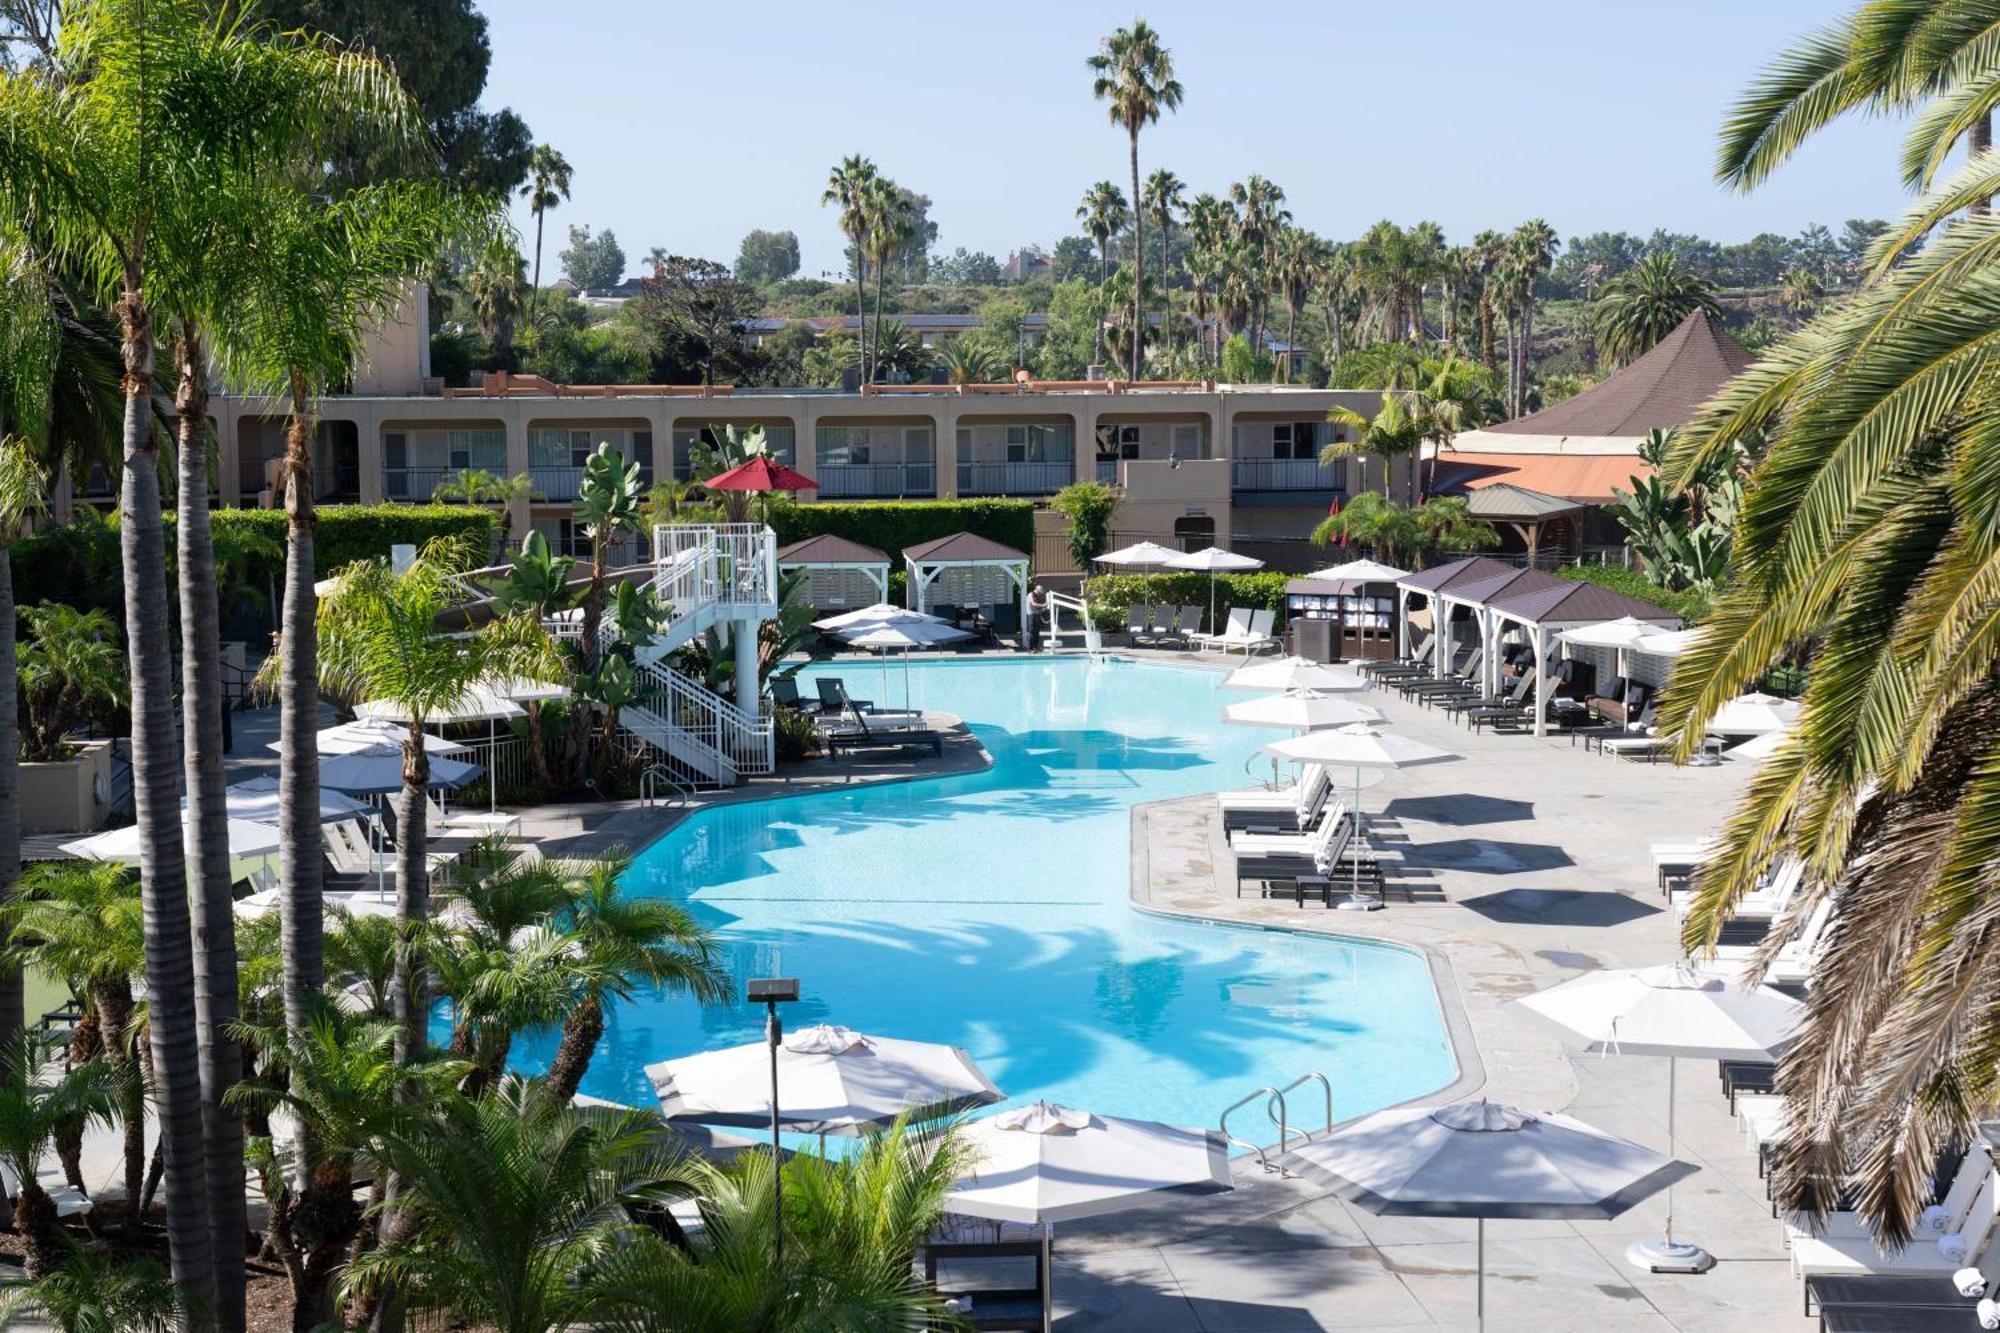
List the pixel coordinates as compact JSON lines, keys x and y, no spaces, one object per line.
{"x":91,"y":1291}
{"x":1531,"y":249}
{"x":548,"y":185}
{"x":1104,"y":214}
{"x":886,"y":207}
{"x":34,"y":1108}
{"x":847,"y":186}
{"x":81,"y":921}
{"x":1488,"y":249}
{"x":1801,"y":290}
{"x":1645,"y":303}
{"x":1398,"y":429}
{"x":1862,"y":535}
{"x":1166,"y":200}
{"x":495,"y":285}
{"x":1261,"y":212}
{"x":1297,"y":256}
{"x":1134,"y":75}
{"x":477,"y":486}
{"x":969,"y":360}
{"x":623,"y":940}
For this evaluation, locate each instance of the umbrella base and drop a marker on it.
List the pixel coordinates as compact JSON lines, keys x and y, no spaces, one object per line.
{"x":1357,"y":903}
{"x":1669,"y":1256}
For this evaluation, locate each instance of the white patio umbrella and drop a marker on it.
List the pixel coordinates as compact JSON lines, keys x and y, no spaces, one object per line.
{"x":1754,"y":714}
{"x":379,"y":771}
{"x":1213,"y":560}
{"x":1140,"y":555}
{"x":256,"y":800}
{"x":364,"y":735}
{"x":480,"y":702}
{"x":878,"y":613}
{"x":1667,"y":642}
{"x":1758,"y":748}
{"x":1044,"y":1164}
{"x":1625,"y":634}
{"x":1359,"y":571}
{"x":524,"y":689}
{"x":1293,"y":673}
{"x":1673,"y":1010}
{"x":1483,"y":1160}
{"x":247,"y":841}
{"x":831,"y":1080}
{"x":906,"y":635}
{"x":1358,"y":747}
{"x":1300,"y":711}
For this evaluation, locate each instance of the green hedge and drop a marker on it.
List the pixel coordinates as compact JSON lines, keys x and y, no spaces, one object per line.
{"x":79,"y":562}
{"x":892,"y":525}
{"x":1688,"y":604}
{"x":1112,"y":594}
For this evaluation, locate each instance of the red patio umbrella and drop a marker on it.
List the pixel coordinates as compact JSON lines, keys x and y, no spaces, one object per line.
{"x":761,"y":473}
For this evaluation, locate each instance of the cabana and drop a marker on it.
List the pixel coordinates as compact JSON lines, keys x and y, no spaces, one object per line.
{"x":966,"y":569}
{"x":840,"y":574}
{"x":1425,"y":587}
{"x":1526,"y":512}
{"x":1476,"y":596}
{"x":1543,"y":613}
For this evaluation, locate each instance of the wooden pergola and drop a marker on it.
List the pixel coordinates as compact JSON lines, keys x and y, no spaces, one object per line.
{"x":1526,"y":512}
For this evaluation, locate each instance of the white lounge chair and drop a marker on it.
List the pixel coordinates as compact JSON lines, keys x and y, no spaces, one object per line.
{"x":1794,"y":961}
{"x":68,"y":1199}
{"x":1763,"y":904}
{"x":1294,"y":809}
{"x":1294,"y":844}
{"x":1257,"y":637}
{"x":1858,"y":1254}
{"x":1236,"y":628}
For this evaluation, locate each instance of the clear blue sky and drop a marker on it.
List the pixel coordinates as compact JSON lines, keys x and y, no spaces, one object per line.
{"x":690,"y":123}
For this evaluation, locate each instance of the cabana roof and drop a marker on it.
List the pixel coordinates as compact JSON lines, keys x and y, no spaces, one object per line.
{"x":962,"y":548}
{"x":1504,"y":502}
{"x":1574,"y":603}
{"x":828,"y":549}
{"x":1439,"y":578}
{"x":1513,"y":583}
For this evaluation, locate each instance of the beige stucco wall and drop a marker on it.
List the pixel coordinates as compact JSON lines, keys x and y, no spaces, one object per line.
{"x":396,"y":351}
{"x":62,"y":798}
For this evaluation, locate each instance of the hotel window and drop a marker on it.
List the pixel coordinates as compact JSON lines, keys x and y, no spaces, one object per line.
{"x":1187,"y":442}
{"x":1017,"y":444}
{"x":1291,"y":439}
{"x":1128,"y":441}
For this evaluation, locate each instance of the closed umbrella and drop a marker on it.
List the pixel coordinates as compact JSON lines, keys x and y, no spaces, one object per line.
{"x":1674,"y":1010}
{"x":1044,"y":1164}
{"x":1300,"y":711}
{"x":1754,"y":714}
{"x":1483,"y":1160}
{"x":1214,"y":560}
{"x":831,"y":1080}
{"x":1293,"y":673}
{"x":1357,"y":747}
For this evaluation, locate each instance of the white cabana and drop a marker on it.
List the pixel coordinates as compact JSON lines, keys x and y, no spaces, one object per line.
{"x":839,"y":572}
{"x":1544,"y":613}
{"x":1417,"y":605}
{"x":966,"y":569}
{"x":831,"y":1080}
{"x":1293,"y":673}
{"x":1475,"y":598}
{"x":1300,"y":711}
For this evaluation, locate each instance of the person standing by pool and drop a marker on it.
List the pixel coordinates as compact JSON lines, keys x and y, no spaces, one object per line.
{"x":1038,"y":605}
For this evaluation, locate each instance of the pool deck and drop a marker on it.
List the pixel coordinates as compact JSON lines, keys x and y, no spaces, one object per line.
{"x":1530,"y":864}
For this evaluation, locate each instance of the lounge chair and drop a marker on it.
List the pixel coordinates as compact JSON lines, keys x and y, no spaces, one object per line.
{"x":1328,"y":814}
{"x":851,"y":730}
{"x":833,"y":696}
{"x":1298,"y":804}
{"x":1187,"y":624}
{"x":1259,"y":635}
{"x":1833,"y":1291}
{"x":983,"y":1302}
{"x":1621,"y":700}
{"x":785,"y":694}
{"x":1451,"y":683}
{"x":1005,"y":621}
{"x":1235,"y":628}
{"x":68,"y":1199}
{"x":1336,"y":862}
{"x":1793,"y":963}
{"x":1971,"y":1220}
{"x":1767,"y":902}
{"x":1418,"y":660}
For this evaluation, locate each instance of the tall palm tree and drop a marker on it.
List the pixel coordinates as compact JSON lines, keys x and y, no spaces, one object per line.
{"x":1297,"y":256}
{"x":1863,"y":535}
{"x":1166,"y":201}
{"x":495,"y":285}
{"x":549,"y":176}
{"x":847,"y":187}
{"x":1260,"y":213}
{"x":625,"y":940}
{"x":1488,"y":250}
{"x":1104,"y":214}
{"x":886,"y":208}
{"x":1531,"y":249}
{"x":1134,"y":75}
{"x":1645,"y":303}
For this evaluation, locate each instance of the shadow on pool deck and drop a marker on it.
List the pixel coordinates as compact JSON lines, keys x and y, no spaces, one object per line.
{"x":1559,"y":907}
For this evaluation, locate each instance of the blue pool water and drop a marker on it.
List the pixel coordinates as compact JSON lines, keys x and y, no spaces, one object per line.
{"x":991,"y":911}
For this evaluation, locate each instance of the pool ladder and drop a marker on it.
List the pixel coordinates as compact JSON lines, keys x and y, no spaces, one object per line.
{"x":1279,"y":1112}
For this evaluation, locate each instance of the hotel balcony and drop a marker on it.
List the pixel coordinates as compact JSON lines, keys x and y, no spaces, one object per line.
{"x":1015,"y":478}
{"x":1266,"y":475}
{"x":415,"y":484}
{"x":559,"y":485}
{"x":876,"y":481}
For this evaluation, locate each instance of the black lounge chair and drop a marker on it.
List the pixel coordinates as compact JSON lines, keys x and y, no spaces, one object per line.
{"x":1826,"y":1291}
{"x":991,"y":1307}
{"x":785,"y":694}
{"x":833,"y":696}
{"x":903,"y":731}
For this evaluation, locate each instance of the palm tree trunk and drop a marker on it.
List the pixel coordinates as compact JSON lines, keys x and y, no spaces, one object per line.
{"x":1166,"y":267}
{"x":156,"y":796}
{"x":881,"y":281}
{"x":1103,"y":276}
{"x":861,"y":303}
{"x":300,"y":869}
{"x":581,"y":1031}
{"x":221,"y":1056}
{"x":413,"y":896}
{"x":535,"y":292}
{"x":1291,"y":336}
{"x":13,"y":990}
{"x":1135,"y":369}
{"x":112,"y":998}
{"x":1485,"y":328}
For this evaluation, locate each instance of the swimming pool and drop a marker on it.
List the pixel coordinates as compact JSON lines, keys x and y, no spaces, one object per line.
{"x":991,"y":910}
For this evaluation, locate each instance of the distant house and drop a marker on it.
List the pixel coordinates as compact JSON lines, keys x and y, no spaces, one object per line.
{"x":1023,"y":265}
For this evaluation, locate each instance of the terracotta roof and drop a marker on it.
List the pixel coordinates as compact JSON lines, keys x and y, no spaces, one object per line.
{"x":960,"y":546}
{"x":1496,"y":587}
{"x":828,"y":549}
{"x":1441,"y":577}
{"x":1584,"y":478}
{"x":1576,"y":603}
{"x":1659,"y":391}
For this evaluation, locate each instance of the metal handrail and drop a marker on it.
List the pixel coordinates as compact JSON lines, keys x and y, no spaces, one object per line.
{"x":652,"y":777}
{"x":1223,"y":1125}
{"x":1284,"y":1115}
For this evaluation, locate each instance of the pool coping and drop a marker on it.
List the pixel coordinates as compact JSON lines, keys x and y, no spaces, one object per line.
{"x":1455,"y":1020}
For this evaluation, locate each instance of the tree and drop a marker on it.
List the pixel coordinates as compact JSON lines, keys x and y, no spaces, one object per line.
{"x":69,"y":666}
{"x":701,"y":300}
{"x":1529,"y":252}
{"x":593,"y":263}
{"x":88,"y":1291}
{"x":1401,"y":534}
{"x":477,"y":486}
{"x":619,"y":939}
{"x":889,"y":221}
{"x":970,"y":268}
{"x":1863,"y":538}
{"x":847,"y":187}
{"x":1801,"y":290}
{"x":1088,"y":505}
{"x":498,"y":286}
{"x":610,"y":504}
{"x":549,"y":176}
{"x":1166,"y":201}
{"x":766,"y":256}
{"x":33,"y":1110}
{"x":1259,"y":213}
{"x":1296,"y":259}
{"x":1104,"y":214}
{"x":1134,"y":74}
{"x":1645,"y":303}
{"x":1399,"y":429}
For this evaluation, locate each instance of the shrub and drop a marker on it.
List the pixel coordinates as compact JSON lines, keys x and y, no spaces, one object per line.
{"x":892,"y":525}
{"x":1117,"y":592}
{"x":1689,"y":604}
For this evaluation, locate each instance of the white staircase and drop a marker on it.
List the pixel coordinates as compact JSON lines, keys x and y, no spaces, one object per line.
{"x":709,"y":573}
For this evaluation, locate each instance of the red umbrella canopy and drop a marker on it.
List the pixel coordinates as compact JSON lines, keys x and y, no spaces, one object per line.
{"x":761,"y":473}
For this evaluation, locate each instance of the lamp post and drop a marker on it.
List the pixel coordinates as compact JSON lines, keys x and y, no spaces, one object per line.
{"x":772,"y":992}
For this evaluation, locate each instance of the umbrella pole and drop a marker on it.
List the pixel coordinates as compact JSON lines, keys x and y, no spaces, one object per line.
{"x":1048,"y":1276}
{"x":1480,"y":1263}
{"x":1668,"y":1255}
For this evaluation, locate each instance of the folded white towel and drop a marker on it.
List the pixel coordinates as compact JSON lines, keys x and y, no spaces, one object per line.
{"x":1934,"y":1220}
{"x":1989,"y":1313}
{"x":1952,"y":1249}
{"x":1971,"y":1283}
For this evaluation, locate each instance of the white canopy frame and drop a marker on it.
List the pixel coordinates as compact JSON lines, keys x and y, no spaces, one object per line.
{"x":1540,"y":635}
{"x":924,"y":577}
{"x":828,"y":582}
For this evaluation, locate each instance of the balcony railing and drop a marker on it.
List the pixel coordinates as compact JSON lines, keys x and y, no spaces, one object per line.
{"x":1015,"y":478}
{"x":1281,"y":474}
{"x":555,"y":483}
{"x":414,"y":483}
{"x":876,"y":480}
